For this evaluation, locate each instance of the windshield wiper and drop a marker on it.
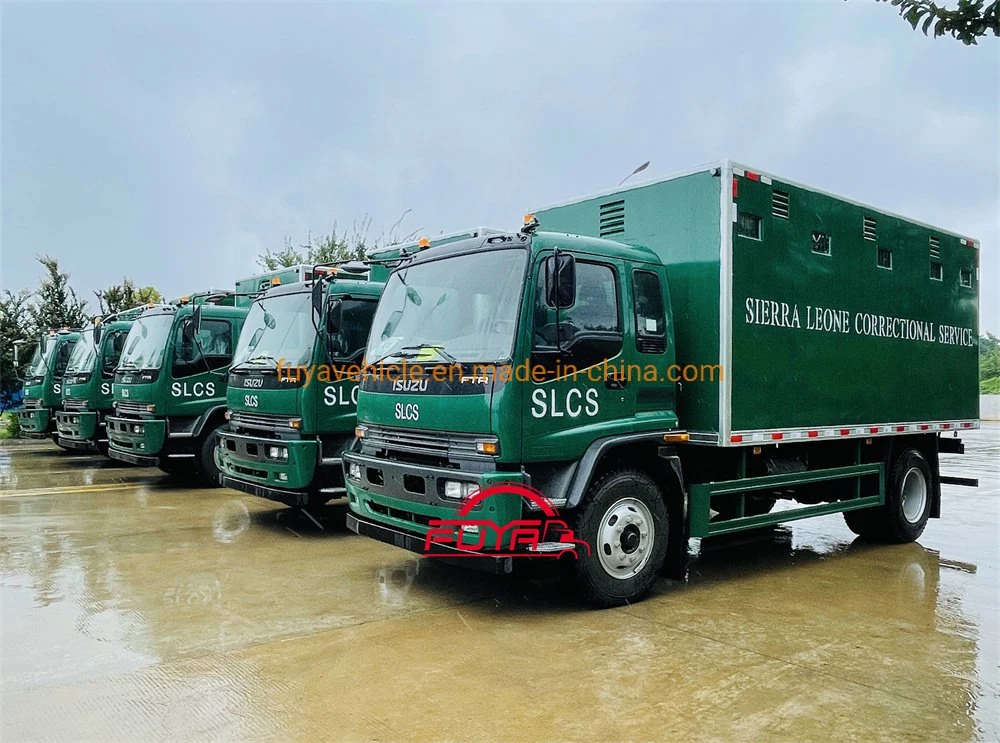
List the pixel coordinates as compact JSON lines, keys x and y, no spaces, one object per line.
{"x":414,"y":352}
{"x":253,"y":363}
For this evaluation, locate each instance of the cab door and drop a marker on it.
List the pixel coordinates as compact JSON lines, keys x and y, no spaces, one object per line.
{"x":579,"y":387}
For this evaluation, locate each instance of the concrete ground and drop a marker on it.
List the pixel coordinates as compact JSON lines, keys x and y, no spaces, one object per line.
{"x":132,"y":608}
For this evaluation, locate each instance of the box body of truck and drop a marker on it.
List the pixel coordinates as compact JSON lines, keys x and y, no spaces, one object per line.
{"x":799,"y":315}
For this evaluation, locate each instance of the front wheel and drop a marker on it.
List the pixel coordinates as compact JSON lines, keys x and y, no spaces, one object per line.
{"x":208,"y":470}
{"x":907,"y":504}
{"x":624,"y":520}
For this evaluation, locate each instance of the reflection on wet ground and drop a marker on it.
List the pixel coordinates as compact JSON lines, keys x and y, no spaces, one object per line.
{"x":133,"y":607}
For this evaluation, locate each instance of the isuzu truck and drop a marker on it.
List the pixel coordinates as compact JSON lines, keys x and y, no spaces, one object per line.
{"x":43,"y":384}
{"x":170,"y":384}
{"x":666,"y":361}
{"x":88,"y":381}
{"x":293,"y":385}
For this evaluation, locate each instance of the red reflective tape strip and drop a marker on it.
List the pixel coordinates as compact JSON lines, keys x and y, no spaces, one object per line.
{"x":924,"y":426}
{"x":777,"y":436}
{"x":945,"y":425}
{"x":966,"y":425}
{"x":736,"y":187}
{"x":813,"y":434}
{"x":900,"y":428}
{"x":845,"y":431}
{"x":753,"y":176}
{"x":736,"y":438}
{"x":874,"y":429}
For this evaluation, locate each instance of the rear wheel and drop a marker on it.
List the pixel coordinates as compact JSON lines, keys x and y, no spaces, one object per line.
{"x":625,"y":523}
{"x":907,"y":504}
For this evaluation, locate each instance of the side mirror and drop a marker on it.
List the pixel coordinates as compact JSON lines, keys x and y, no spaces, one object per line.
{"x":195,"y":319}
{"x":317,"y":299}
{"x":334,"y":316}
{"x":187,"y":330}
{"x":98,"y":332}
{"x":560,"y":280}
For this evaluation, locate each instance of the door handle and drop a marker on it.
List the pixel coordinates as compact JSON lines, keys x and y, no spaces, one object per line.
{"x":613,"y":382}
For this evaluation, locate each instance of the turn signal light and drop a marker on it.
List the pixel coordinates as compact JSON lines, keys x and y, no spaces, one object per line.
{"x":488,"y":447}
{"x":275,"y":281}
{"x":423,"y":243}
{"x":295,"y":423}
{"x":359,"y":432}
{"x":676,"y":438}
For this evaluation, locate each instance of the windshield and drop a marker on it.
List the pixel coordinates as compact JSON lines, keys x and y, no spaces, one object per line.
{"x":146,"y":342}
{"x":84,"y":353}
{"x":40,"y":359}
{"x":277,"y":329}
{"x":464,"y":307}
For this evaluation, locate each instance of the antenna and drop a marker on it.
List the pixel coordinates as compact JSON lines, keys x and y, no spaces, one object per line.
{"x":637,"y":170}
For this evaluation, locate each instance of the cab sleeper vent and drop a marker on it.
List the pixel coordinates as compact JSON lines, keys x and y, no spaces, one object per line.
{"x":612,"y":221}
{"x":651,"y":345}
{"x":779,"y":204}
{"x":935,"y":247}
{"x":868,"y":230}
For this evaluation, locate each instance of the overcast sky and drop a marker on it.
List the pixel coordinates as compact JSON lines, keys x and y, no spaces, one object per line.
{"x":173,"y":142}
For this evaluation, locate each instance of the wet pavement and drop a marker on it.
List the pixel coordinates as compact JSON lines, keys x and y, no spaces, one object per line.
{"x":135,"y":608}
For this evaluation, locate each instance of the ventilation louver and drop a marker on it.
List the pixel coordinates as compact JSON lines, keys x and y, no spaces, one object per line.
{"x":779,"y":204}
{"x":612,"y":221}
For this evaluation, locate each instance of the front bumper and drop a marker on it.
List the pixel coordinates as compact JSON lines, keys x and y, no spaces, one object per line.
{"x":294,"y":498}
{"x":136,"y":440}
{"x":385,"y":495}
{"x":244,"y":458}
{"x":414,"y":543}
{"x":76,"y":444}
{"x":35,"y":422}
{"x":80,"y":426}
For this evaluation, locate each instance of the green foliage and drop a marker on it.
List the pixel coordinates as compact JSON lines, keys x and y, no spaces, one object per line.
{"x":353,"y":245}
{"x":967,"y":22}
{"x":10,"y":426}
{"x":13,"y":327}
{"x":989,"y":364}
{"x":55,"y":304}
{"x":125,"y":296}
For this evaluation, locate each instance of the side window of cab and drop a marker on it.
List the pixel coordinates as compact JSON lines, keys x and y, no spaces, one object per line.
{"x":587,"y":332}
{"x":62,"y":358}
{"x":113,"y":345}
{"x":209,"y":349}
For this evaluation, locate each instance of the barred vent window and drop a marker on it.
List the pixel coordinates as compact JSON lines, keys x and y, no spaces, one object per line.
{"x":965,"y":277}
{"x":936,"y":271}
{"x":884,"y":258}
{"x":868,"y":229}
{"x":779,"y":204}
{"x":821,"y":243}
{"x":748,"y":225}
{"x":935,"y":247}
{"x":612,"y":218}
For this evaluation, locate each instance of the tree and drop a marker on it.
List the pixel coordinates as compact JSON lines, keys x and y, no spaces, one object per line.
{"x":348,"y":246}
{"x":55,"y":304}
{"x":967,"y":22}
{"x":125,"y":296}
{"x":13,"y":327}
{"x":989,"y":364}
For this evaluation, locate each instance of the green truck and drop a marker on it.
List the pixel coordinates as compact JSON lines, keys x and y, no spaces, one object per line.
{"x":43,"y":383}
{"x":674,"y":357}
{"x":87,"y":385}
{"x":293,"y":385}
{"x":170,"y":384}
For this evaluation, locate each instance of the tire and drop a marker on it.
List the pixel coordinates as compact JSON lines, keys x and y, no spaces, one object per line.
{"x":624,"y":561}
{"x":907,"y":504}
{"x":207,"y":470}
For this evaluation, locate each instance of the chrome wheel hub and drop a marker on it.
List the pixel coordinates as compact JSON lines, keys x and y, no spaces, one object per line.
{"x":625,"y":538}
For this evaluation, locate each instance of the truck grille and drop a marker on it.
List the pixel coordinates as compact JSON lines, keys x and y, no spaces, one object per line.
{"x":260,"y":421}
{"x":126,"y":407}
{"x":32,"y":404}
{"x":72,"y":403}
{"x":439,"y":444}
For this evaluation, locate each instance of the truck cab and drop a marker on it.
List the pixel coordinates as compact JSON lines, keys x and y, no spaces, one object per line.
{"x":43,"y":384}
{"x":293,"y":385}
{"x":170,"y":385}
{"x":87,"y":387}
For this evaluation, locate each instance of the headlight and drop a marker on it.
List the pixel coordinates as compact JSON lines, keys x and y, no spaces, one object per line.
{"x":136,"y":429}
{"x":150,"y":408}
{"x":459,"y":490}
{"x":354,"y":470}
{"x":277,"y":452}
